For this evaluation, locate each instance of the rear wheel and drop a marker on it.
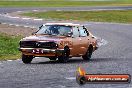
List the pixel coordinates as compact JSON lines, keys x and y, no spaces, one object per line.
{"x":88,"y":54}
{"x":26,"y":59}
{"x":65,"y":55}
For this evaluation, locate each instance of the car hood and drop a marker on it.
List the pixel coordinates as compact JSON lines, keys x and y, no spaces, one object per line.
{"x":43,"y":38}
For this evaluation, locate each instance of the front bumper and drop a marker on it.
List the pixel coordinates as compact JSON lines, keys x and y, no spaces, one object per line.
{"x":41,"y":51}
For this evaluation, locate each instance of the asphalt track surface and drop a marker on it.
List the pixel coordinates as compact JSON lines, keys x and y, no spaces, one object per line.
{"x":113,"y":56}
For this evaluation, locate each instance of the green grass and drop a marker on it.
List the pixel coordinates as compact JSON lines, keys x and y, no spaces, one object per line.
{"x":123,"y":16}
{"x":62,"y":3}
{"x":9,"y":47}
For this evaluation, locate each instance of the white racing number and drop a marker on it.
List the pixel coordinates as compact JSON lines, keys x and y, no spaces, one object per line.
{"x":37,"y":51}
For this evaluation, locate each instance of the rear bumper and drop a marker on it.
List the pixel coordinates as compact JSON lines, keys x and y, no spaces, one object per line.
{"x":41,"y":51}
{"x":95,"y":48}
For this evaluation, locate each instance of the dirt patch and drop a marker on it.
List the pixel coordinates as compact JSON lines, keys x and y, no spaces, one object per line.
{"x":16,"y":30}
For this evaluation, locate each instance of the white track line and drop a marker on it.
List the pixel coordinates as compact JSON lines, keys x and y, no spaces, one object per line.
{"x":35,"y":10}
{"x":26,"y":18}
{"x":19,"y":11}
{"x":13,"y":17}
{"x":4,"y":23}
{"x":38,"y":19}
{"x":11,"y":24}
{"x":9,"y":60}
{"x":27,"y":26}
{"x":58,"y":10}
{"x":101,"y":42}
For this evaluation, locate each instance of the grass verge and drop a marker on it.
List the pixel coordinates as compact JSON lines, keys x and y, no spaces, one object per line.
{"x":121,"y":16}
{"x":9,"y":47}
{"x":61,"y":3}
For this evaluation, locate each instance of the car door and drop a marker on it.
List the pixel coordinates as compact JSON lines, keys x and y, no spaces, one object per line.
{"x":83,"y":40}
{"x":75,"y":42}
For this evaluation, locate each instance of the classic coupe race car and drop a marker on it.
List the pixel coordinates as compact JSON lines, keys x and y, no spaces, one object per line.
{"x":58,"y":41}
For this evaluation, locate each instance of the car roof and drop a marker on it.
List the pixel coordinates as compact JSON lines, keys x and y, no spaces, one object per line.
{"x":67,"y":24}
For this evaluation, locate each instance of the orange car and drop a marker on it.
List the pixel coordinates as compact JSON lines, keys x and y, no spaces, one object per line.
{"x":58,"y":41}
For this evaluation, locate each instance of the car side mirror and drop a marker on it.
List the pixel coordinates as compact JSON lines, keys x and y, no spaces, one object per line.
{"x":33,"y":33}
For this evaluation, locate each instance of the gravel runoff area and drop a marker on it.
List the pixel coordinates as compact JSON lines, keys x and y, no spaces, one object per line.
{"x":16,"y":30}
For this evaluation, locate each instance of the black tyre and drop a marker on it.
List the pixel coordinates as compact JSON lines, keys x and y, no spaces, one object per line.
{"x":26,"y":59}
{"x":65,"y":55}
{"x":52,"y":58}
{"x":88,"y":54}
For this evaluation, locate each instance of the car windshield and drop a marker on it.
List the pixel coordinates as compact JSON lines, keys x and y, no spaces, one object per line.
{"x":60,"y":30}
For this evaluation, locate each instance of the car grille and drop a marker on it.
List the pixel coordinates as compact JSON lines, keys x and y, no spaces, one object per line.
{"x":35,"y":44}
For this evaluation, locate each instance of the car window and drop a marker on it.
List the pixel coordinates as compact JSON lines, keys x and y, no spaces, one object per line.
{"x":75,"y":32}
{"x":64,"y":30}
{"x":82,"y":31}
{"x":86,"y":30}
{"x":59,"y":30}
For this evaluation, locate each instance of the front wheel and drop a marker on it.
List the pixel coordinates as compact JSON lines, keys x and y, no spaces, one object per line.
{"x":88,"y":54}
{"x":26,"y":59}
{"x":65,"y":55}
